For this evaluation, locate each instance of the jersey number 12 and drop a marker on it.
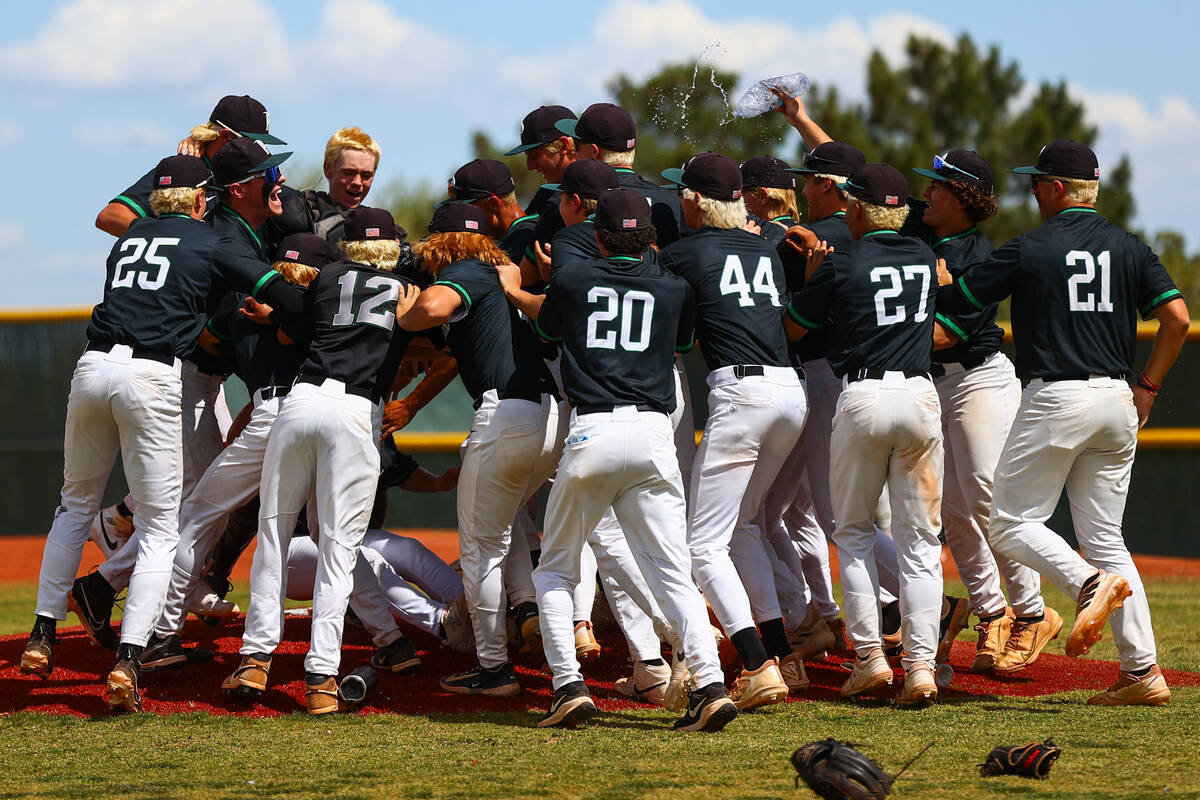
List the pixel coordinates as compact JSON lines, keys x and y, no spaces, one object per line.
{"x":388,"y":292}
{"x":626,"y":307}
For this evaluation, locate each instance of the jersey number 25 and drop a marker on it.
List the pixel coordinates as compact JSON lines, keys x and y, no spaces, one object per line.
{"x":626,"y":307}
{"x":124,"y":271}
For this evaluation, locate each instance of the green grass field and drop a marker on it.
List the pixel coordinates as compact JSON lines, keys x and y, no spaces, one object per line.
{"x":1130,"y":752}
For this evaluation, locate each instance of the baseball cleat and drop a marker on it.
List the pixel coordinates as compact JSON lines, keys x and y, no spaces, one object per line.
{"x":169,"y":652}
{"x":675,"y":696}
{"x":122,"y":693}
{"x":499,"y":681}
{"x":528,"y":630}
{"x":110,"y":529}
{"x":399,"y":656}
{"x":321,"y":697}
{"x":457,"y":633}
{"x":250,"y":678}
{"x":1130,"y":690}
{"x":1103,"y":594}
{"x":993,"y":635}
{"x":586,"y":646}
{"x":1027,"y":640}
{"x":954,"y":619}
{"x":572,"y":705}
{"x":760,"y":687}
{"x":38,"y":658}
{"x":91,"y":598}
{"x":812,"y":638}
{"x":869,"y":675}
{"x":211,"y":606}
{"x":837,"y":626}
{"x":920,"y":687}
{"x":792,"y":670}
{"x":648,"y":683}
{"x":708,"y":709}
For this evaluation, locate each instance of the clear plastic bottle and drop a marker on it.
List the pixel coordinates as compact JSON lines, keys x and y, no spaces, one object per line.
{"x":759,"y":100}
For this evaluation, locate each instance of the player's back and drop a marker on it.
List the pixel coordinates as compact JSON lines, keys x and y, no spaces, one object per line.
{"x":665,"y":210}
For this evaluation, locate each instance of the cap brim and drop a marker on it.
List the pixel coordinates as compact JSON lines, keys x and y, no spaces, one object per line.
{"x":928,"y":173}
{"x":674,"y":175}
{"x":567,"y":126}
{"x":554,"y":187}
{"x":1030,"y":171}
{"x":447,"y":201}
{"x":523,"y":148}
{"x":274,"y":161}
{"x":265,"y":138}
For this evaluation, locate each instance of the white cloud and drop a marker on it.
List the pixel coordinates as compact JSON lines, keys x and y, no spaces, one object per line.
{"x":12,"y":235}
{"x":123,"y":136}
{"x":10,"y":133}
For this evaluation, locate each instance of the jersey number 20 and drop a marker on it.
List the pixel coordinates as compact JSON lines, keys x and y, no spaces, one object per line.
{"x":895,"y":278}
{"x":124,"y":273}
{"x":366,"y":314}
{"x":626,"y":307}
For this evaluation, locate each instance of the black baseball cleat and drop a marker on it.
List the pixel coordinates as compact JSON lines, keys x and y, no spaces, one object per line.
{"x":91,"y":599}
{"x":122,"y":693}
{"x":498,"y":682}
{"x":169,"y":653}
{"x":709,"y":709}
{"x":399,"y":656}
{"x":572,"y":705}
{"x":38,"y":658}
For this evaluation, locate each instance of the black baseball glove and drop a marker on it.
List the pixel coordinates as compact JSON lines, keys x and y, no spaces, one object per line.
{"x":1029,"y":760}
{"x":836,"y":771}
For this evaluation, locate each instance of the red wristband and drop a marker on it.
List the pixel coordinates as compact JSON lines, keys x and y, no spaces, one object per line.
{"x":1144,"y":382}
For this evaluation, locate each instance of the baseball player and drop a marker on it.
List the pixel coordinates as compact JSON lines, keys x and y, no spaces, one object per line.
{"x":979,"y":392}
{"x":756,"y":412}
{"x":769,"y":193}
{"x":619,"y":321}
{"x":887,"y":427}
{"x":126,"y":396}
{"x":548,"y":151}
{"x":512,"y":447}
{"x":1076,"y":282}
{"x":489,"y":184}
{"x":324,"y":444}
{"x":351,"y":160}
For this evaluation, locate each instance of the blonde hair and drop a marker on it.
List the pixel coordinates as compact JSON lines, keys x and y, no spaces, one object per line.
{"x":205,"y":132}
{"x":883,"y":217}
{"x":179,"y":200}
{"x":836,"y":180}
{"x":439,"y":250}
{"x":780,"y":202}
{"x":560,"y":145}
{"x":1077,"y":190}
{"x":349,"y":139}
{"x":382,"y":253}
{"x":719,"y":213}
{"x":293,"y":272}
{"x":617,"y":158}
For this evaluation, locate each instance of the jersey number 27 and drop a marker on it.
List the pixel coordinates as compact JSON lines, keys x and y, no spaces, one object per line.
{"x":632,"y":307}
{"x":895,"y":277}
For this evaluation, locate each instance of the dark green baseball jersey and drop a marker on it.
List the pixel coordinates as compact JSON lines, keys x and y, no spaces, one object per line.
{"x":976,"y":330}
{"x":665,"y":210}
{"x":517,"y":241}
{"x":831,"y":229}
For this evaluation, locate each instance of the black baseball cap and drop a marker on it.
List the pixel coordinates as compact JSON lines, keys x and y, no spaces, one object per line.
{"x":1065,"y":158}
{"x":588,"y":177}
{"x":481,"y":178}
{"x":961,"y":166}
{"x":877,"y":184}
{"x":711,"y":174}
{"x":604,"y":125}
{"x":622,"y":210}
{"x":767,"y":171}
{"x":459,"y":218}
{"x":245,"y":116}
{"x":242,"y":158}
{"x":176,"y":172}
{"x":304,"y":248}
{"x":831,"y":158}
{"x":370,"y":224}
{"x":538,"y":127}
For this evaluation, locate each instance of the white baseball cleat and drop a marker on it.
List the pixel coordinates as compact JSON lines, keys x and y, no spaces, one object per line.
{"x":212,"y":605}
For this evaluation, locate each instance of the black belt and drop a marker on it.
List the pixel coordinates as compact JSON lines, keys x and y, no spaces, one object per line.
{"x":607,"y":409}
{"x":268,"y":392}
{"x":1118,"y":376}
{"x":865,"y":374}
{"x":357,"y":391}
{"x":138,"y":352}
{"x":939,"y":370}
{"x":531,"y":397}
{"x":758,"y":370}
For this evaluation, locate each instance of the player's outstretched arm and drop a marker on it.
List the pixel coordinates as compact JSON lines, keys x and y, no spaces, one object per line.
{"x":1173,"y":322}
{"x":510,"y":281}
{"x":797,"y":116}
{"x":115,"y":218}
{"x":399,"y":413}
{"x":435,"y":306}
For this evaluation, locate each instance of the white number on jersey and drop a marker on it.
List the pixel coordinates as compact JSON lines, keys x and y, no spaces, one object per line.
{"x":387,"y":295}
{"x":895,"y":277}
{"x":1075,"y":283}
{"x":625,"y":306}
{"x":125,"y":273}
{"x":733,"y":281}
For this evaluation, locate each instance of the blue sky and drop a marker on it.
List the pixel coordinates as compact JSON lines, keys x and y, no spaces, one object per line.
{"x":97,"y":91}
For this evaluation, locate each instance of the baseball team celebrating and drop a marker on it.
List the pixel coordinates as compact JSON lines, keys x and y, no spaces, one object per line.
{"x":857,"y":395}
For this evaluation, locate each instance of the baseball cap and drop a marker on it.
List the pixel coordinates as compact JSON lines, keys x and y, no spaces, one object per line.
{"x":370,"y":224}
{"x":961,"y":166}
{"x":245,"y":116}
{"x":459,"y":218}
{"x":589,"y":177}
{"x":831,"y":158}
{"x":604,"y":125}
{"x":239,"y":159}
{"x":767,"y":171}
{"x":711,"y":174}
{"x":481,"y":178}
{"x":622,"y":210}
{"x":538,"y":127}
{"x":175,"y":172}
{"x":877,"y":184}
{"x":304,"y":248}
{"x":1066,"y":158}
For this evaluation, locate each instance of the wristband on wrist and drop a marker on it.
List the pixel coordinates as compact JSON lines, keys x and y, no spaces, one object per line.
{"x":1144,"y":382}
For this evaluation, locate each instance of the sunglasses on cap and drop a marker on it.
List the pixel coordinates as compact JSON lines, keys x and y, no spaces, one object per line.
{"x":940,"y":163}
{"x":814,"y":161}
{"x":271,"y":176}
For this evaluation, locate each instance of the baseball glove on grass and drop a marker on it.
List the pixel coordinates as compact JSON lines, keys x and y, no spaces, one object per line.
{"x":1029,"y":760}
{"x":836,"y":771}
